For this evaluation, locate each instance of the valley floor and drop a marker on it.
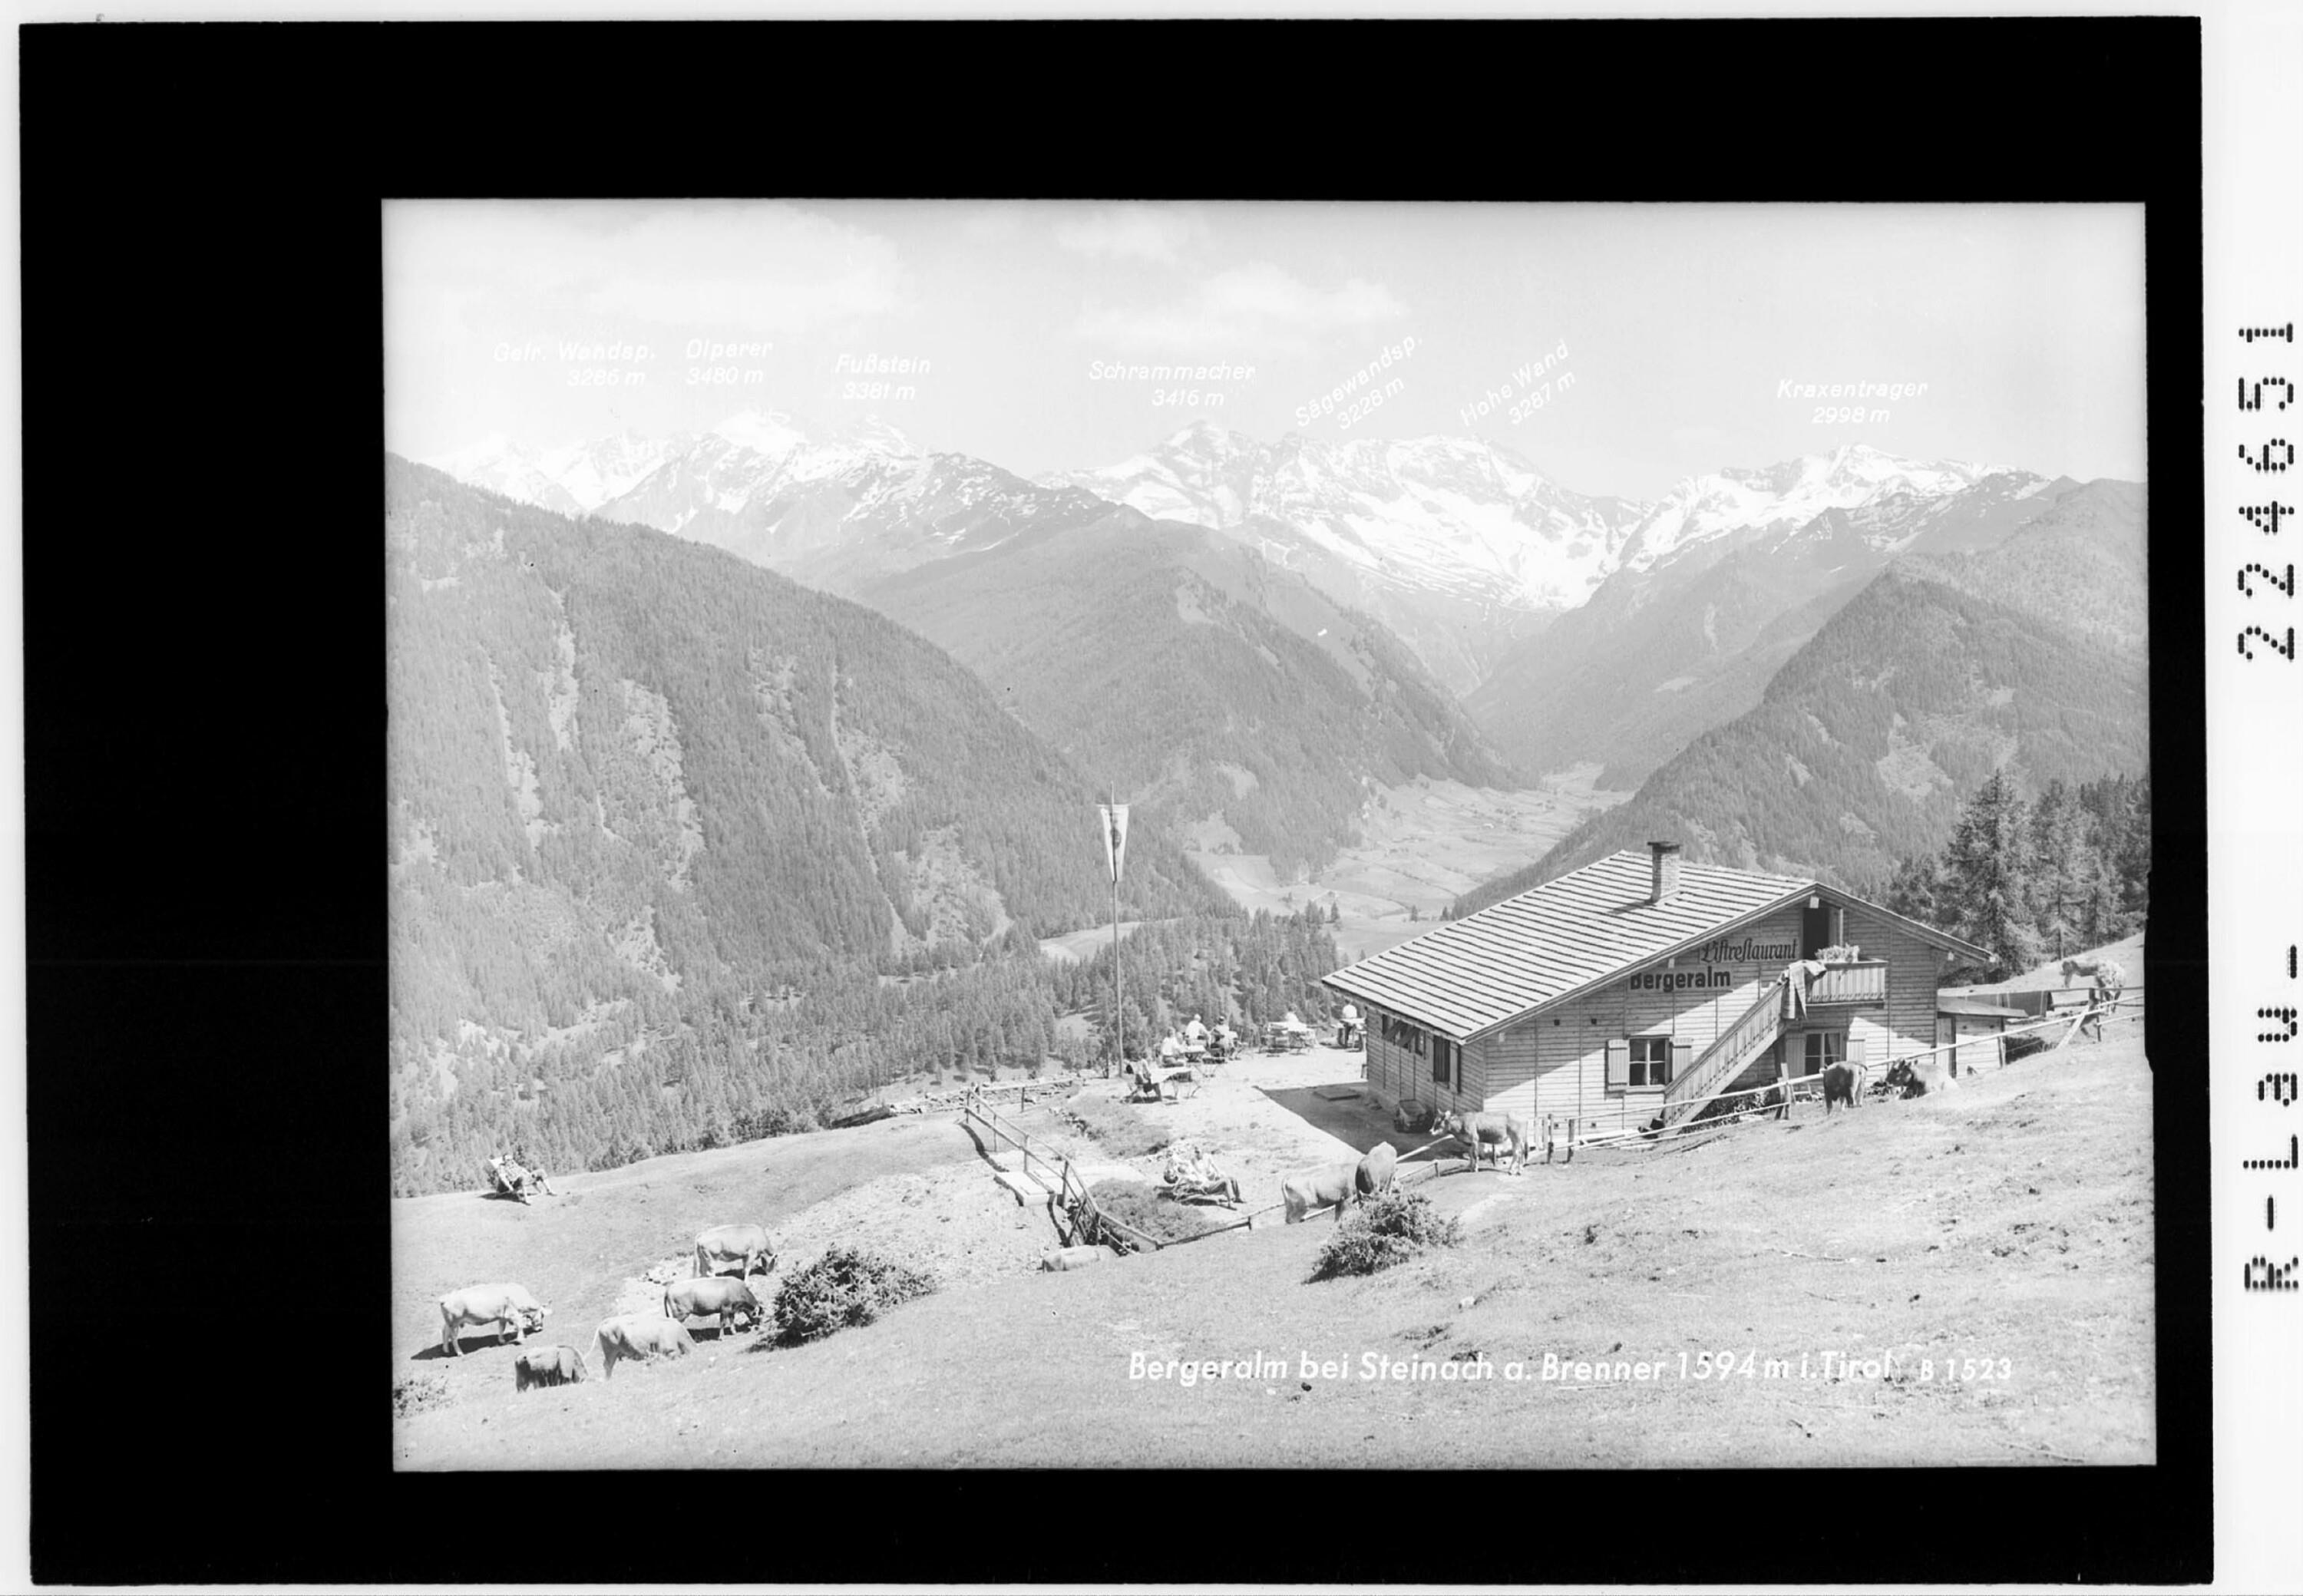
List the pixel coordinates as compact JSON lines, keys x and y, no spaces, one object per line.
{"x":1991,"y":1247}
{"x":1422,"y":845}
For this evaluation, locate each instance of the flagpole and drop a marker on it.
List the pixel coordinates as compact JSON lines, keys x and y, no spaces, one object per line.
{"x":1118,"y":1024}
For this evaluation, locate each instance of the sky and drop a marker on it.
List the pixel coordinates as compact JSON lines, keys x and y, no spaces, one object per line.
{"x":1672,"y":330}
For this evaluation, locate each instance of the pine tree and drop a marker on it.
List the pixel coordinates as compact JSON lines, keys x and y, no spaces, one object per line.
{"x":2133,"y":860}
{"x":1984,"y":876}
{"x":1911,"y":890}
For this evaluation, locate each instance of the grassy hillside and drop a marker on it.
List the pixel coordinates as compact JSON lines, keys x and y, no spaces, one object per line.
{"x":1180,"y":668}
{"x":2010,"y":1220}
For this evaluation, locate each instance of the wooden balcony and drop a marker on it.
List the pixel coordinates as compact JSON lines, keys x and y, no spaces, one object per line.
{"x":1863,"y":983}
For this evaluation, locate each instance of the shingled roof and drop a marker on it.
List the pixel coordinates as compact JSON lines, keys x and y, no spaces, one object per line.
{"x":1475,"y":974}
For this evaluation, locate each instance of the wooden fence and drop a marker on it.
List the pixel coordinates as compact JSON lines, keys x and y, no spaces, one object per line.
{"x":2129,"y":1000}
{"x":1080,"y":1221}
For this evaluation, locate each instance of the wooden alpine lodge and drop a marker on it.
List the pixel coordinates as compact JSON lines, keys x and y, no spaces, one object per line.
{"x":1640,"y":987}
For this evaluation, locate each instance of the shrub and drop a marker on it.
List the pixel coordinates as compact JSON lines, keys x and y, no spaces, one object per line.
{"x":1135,"y":1204}
{"x":845,"y":1287}
{"x":413,"y":1393}
{"x":1391,"y":1229}
{"x":2023,"y":1046}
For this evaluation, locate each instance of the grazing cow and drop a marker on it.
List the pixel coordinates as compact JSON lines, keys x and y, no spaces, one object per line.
{"x":549,"y":1365}
{"x":738,"y":1247}
{"x":1336,"y":1184}
{"x":728,"y":1300}
{"x":1376,"y":1170}
{"x":1916,"y":1078}
{"x":638,"y":1336}
{"x":1490,"y":1130}
{"x":504,"y":1307}
{"x":1843,"y":1083}
{"x":2108,"y":982}
{"x":2108,"y":979}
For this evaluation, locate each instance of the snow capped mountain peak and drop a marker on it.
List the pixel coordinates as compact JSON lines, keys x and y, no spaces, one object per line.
{"x":764,"y":432}
{"x":1851,"y":477}
{"x":1444,"y":515}
{"x":877,"y":436}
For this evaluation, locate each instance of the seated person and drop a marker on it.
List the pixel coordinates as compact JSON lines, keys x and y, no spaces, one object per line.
{"x":1191,"y":1170}
{"x":1196,"y":1035}
{"x":1170,"y":1049}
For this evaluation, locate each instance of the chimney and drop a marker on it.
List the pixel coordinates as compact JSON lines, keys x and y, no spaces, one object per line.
{"x":1665,"y":857}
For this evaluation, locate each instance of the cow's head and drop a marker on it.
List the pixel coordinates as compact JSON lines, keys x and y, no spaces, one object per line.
{"x":533,"y":1314}
{"x":1447,"y":1122}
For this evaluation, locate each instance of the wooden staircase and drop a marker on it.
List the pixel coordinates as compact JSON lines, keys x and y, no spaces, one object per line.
{"x":1738,"y":1047}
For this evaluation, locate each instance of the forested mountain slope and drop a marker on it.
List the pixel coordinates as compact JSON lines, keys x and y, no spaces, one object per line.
{"x":1870,"y":739}
{"x":621,"y":763}
{"x":1186,"y":672}
{"x":1677,"y":643}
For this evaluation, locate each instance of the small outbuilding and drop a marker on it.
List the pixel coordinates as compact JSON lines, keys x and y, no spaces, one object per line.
{"x":1638,"y":988}
{"x":1984,"y":1019}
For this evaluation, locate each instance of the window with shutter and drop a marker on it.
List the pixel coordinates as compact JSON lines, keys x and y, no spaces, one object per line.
{"x":1651,"y":1060}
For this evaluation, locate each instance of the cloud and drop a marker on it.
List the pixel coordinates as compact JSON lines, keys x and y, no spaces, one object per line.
{"x":992,"y":224}
{"x":1153,"y":232}
{"x":763,"y":267}
{"x":1256,"y":307}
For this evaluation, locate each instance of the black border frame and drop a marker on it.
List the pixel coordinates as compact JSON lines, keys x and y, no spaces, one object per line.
{"x":203,"y":723}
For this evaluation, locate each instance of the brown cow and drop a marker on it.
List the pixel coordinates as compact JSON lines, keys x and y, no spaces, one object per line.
{"x":1334,"y":1184}
{"x":1916,"y":1078}
{"x":508,"y":1307}
{"x":638,"y":1336}
{"x":1377,"y":1171}
{"x":1843,"y":1083}
{"x":1490,"y":1128}
{"x":731,"y":1302}
{"x":743,"y":1246}
{"x":549,"y":1365}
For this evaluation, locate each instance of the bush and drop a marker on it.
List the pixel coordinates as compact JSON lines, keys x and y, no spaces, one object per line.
{"x":1137,"y":1205}
{"x":1391,"y":1229}
{"x":845,"y":1287}
{"x":413,"y":1393}
{"x":2023,"y":1046}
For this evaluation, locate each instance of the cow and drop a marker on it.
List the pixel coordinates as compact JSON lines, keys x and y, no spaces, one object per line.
{"x":549,"y":1365}
{"x":1334,"y":1184}
{"x":728,"y":1300}
{"x":1916,"y":1078}
{"x":1843,"y":1083}
{"x":2109,"y":981}
{"x":741,"y":1246}
{"x":1376,"y":1171}
{"x":1065,"y":1258}
{"x":1487,"y":1128}
{"x":504,"y":1307}
{"x":638,"y":1336}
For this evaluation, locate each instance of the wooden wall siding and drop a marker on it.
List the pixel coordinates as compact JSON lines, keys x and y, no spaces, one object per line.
{"x":1541,"y":1069}
{"x":1403,"y":1075}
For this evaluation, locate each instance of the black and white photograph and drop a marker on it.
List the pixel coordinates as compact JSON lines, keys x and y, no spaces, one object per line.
{"x":1268,"y":834}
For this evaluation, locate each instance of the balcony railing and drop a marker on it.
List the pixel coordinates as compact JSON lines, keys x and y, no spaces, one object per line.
{"x":1865,"y":981}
